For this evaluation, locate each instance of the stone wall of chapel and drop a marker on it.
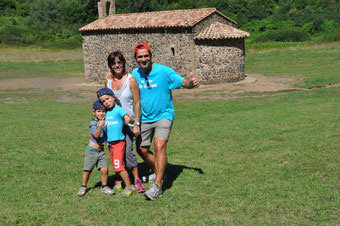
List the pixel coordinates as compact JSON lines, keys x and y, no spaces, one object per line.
{"x":220,"y":61}
{"x":212,"y":61}
{"x":172,"y":48}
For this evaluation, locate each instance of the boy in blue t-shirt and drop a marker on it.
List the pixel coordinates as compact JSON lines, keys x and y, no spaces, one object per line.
{"x":114,"y":121}
{"x":94,"y":154}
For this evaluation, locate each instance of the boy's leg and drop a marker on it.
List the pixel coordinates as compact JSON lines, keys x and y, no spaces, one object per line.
{"x":103,"y":167}
{"x":90,"y":160}
{"x":85,"y":179}
{"x":105,"y":173}
{"x":105,"y":189}
{"x":125,"y":177}
{"x":117,"y":151}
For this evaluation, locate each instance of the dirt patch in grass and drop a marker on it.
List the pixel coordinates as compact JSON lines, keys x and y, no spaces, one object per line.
{"x":76,"y":88}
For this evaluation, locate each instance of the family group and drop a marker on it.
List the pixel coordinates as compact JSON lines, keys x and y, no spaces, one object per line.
{"x":133,"y":105}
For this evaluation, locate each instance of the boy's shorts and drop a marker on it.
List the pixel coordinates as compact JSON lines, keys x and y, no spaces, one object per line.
{"x":94,"y":157}
{"x":117,"y":154}
{"x":161,"y":128}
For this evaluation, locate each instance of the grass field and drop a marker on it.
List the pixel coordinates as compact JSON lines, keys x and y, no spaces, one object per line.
{"x":250,"y":161}
{"x":317,"y":66}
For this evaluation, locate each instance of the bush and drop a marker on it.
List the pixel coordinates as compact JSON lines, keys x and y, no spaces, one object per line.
{"x":62,"y":41}
{"x":332,"y":37}
{"x":283,"y":36}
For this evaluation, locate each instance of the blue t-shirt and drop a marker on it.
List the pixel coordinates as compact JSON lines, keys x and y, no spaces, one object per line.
{"x":155,"y":92}
{"x":93,"y":128}
{"x":114,"y":122}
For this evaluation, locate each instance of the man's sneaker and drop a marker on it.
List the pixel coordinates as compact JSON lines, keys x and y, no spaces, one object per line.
{"x":127,"y":192}
{"x":81,"y":191}
{"x":154,"y":192}
{"x":149,"y":178}
{"x":108,"y":191}
{"x":118,"y":185}
{"x":139,"y":186}
{"x":152,"y":178}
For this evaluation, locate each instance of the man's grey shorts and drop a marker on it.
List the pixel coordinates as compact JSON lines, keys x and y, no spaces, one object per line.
{"x":161,"y":128}
{"x":94,"y":157}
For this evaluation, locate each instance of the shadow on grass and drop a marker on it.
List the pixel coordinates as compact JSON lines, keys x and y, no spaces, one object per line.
{"x":172,"y":173}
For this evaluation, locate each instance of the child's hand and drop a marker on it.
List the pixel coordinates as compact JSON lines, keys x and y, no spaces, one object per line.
{"x":101,"y":122}
{"x":130,"y":119}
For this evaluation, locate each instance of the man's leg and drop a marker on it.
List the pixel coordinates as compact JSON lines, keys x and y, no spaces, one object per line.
{"x":160,"y":159}
{"x":147,"y":155}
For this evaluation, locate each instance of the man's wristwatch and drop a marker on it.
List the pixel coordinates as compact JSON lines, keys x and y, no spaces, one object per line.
{"x":137,"y":123}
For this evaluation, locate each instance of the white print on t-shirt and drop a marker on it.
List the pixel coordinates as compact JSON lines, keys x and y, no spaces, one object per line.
{"x":112,"y":123}
{"x":145,"y":86}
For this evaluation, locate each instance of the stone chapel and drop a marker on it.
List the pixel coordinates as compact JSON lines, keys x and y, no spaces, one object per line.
{"x":203,"y":41}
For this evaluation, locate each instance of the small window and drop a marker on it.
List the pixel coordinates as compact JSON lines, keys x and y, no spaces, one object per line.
{"x":173,"y":51}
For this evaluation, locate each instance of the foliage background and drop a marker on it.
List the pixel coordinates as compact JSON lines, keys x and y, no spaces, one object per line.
{"x":55,"y":23}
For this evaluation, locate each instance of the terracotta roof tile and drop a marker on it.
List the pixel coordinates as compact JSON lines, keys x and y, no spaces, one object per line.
{"x":151,"y":20}
{"x":218,"y":30}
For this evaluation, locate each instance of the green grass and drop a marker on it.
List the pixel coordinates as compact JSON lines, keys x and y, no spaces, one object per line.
{"x":270,"y":160}
{"x":251,"y":161}
{"x":56,"y":69}
{"x":318,"y":66}
{"x":275,"y":45}
{"x":37,"y":53}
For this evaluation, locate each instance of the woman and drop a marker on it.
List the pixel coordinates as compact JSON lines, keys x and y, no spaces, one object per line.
{"x":126,"y":90}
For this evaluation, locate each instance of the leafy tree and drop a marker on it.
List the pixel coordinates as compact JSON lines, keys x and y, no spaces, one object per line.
{"x":45,"y":14}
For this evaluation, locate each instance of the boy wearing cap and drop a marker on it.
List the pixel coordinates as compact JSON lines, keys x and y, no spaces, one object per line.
{"x":94,"y":154}
{"x":155,"y":83}
{"x":114,"y":121}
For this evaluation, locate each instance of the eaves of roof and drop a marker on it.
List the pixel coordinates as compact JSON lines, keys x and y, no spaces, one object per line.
{"x":218,"y":30}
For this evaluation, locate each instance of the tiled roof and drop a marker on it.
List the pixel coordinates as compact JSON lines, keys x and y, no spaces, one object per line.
{"x":218,"y":30}
{"x":153,"y":20}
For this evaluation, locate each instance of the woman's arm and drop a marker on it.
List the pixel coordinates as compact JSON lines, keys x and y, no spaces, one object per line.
{"x":136,"y":101}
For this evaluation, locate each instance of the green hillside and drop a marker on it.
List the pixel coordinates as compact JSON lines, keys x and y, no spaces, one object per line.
{"x":55,"y":23}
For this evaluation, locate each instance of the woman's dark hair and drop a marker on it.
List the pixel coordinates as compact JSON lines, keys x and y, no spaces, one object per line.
{"x":111,"y":59}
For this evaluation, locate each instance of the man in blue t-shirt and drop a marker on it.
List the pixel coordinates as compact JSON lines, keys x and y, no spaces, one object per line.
{"x":155,"y":83}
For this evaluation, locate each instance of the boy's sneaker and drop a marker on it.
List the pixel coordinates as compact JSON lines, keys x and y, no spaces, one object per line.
{"x":154,"y":192}
{"x":118,"y":185}
{"x":108,"y":191}
{"x":81,"y":191}
{"x":149,"y":178}
{"x":127,"y":192}
{"x":139,"y":186}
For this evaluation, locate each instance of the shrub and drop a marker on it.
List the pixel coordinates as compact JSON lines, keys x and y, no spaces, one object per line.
{"x":333,"y":37}
{"x":283,"y":36}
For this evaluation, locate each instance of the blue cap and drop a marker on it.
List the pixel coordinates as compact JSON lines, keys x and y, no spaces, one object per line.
{"x":97,"y":105}
{"x":104,"y":91}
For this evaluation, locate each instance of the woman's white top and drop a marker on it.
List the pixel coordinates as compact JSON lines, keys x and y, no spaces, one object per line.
{"x":124,"y":95}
